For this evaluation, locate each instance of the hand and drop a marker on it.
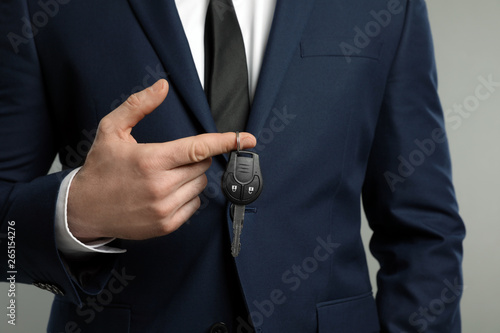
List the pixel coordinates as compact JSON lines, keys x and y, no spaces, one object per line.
{"x":138,"y":191}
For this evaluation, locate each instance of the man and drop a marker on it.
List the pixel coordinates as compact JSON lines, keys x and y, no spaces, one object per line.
{"x":345,"y":105}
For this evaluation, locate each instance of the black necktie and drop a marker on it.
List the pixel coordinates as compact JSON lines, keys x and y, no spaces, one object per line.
{"x":226,"y":76}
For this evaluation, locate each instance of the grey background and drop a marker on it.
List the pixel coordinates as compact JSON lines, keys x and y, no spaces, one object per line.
{"x":467,"y":43}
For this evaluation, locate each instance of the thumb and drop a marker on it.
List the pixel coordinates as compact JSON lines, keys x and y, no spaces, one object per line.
{"x":121,"y":120}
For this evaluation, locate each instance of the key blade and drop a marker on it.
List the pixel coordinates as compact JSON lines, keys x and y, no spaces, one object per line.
{"x":239,"y":216}
{"x":236,"y":244}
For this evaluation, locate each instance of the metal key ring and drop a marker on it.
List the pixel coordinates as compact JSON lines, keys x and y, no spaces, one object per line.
{"x":238,"y":141}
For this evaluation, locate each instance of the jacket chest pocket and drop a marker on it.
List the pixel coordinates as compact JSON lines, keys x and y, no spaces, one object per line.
{"x":348,"y":48}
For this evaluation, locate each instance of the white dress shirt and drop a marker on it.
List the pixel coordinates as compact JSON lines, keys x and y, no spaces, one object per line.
{"x":255,"y":19}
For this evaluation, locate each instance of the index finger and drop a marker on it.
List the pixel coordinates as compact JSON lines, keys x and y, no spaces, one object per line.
{"x":195,"y":149}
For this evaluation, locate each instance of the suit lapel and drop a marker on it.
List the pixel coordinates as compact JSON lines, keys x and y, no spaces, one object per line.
{"x":161,"y":23}
{"x":290,"y":18}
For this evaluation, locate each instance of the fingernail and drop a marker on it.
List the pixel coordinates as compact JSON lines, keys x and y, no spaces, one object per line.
{"x":158,"y":86}
{"x":248,"y":140}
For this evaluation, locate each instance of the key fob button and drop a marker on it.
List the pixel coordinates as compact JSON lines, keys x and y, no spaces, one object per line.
{"x":233,"y":188}
{"x":252,"y":189}
{"x":242,"y":180}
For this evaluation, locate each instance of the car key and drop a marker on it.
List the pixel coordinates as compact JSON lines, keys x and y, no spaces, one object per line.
{"x":242,"y":185}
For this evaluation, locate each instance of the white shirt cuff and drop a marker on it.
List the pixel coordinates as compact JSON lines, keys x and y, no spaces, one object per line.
{"x":65,"y":241}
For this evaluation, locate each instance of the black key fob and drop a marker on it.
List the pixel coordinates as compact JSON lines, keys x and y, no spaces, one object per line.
{"x":242,"y":181}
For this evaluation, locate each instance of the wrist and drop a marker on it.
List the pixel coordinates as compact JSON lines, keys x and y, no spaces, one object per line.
{"x":78,"y":216}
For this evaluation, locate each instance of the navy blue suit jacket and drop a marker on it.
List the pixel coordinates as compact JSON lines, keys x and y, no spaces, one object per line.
{"x":346,"y":107}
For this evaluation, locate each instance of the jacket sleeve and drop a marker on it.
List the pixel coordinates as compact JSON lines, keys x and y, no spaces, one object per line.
{"x":27,"y":148}
{"x":408,"y":194}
